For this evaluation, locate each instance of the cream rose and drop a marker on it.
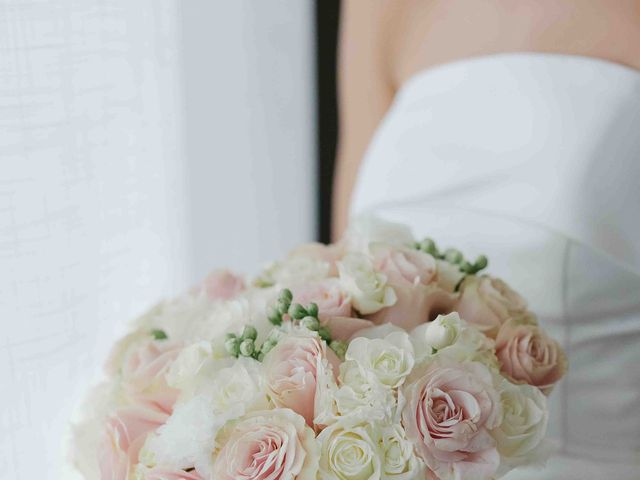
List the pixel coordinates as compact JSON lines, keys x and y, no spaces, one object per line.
{"x":267,"y":445}
{"x":451,"y":409}
{"x":528,"y":355}
{"x":349,"y":451}
{"x":292,"y":369}
{"x":368,"y":229}
{"x":524,"y":423}
{"x":398,"y":459}
{"x":488,"y":302}
{"x":368,"y":288}
{"x":389,"y":359}
{"x":164,"y":473}
{"x":451,"y":336}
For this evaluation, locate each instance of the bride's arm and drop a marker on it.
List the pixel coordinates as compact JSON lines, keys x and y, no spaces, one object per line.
{"x":365,"y":91}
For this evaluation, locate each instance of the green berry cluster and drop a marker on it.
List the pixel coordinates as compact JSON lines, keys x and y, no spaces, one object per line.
{"x":244,"y":345}
{"x":307,"y":317}
{"x":453,"y":256}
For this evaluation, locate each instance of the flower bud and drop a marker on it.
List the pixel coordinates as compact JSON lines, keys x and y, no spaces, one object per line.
{"x":440,"y":333}
{"x":310,"y":323}
{"x":249,"y":332}
{"x":232,"y":346}
{"x":297,"y":311}
{"x":247,"y":347}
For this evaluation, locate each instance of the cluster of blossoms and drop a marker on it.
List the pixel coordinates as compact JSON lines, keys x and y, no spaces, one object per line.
{"x":375,"y":358}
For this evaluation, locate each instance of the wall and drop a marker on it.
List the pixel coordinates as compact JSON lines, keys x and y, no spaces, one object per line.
{"x":141,"y":143}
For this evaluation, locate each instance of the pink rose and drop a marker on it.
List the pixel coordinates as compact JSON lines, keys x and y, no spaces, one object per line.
{"x":412,"y":274}
{"x":488,"y":302}
{"x":334,"y":307}
{"x":160,"y":473}
{"x":528,"y":355}
{"x":267,"y":445}
{"x":451,"y":408}
{"x":125,"y":434}
{"x":223,"y":285}
{"x":144,"y":368}
{"x":293,"y":369}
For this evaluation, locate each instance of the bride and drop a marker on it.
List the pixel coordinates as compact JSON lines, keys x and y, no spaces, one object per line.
{"x":512,"y":127}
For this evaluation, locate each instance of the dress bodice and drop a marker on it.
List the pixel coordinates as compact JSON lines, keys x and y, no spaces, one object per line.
{"x":534,"y":159}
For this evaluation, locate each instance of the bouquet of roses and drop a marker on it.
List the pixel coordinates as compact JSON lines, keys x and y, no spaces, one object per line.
{"x":378,"y":357}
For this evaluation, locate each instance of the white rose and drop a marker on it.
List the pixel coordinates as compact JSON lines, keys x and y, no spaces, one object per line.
{"x":524,"y":424}
{"x":389,"y":359}
{"x":349,"y":451}
{"x":399,"y":461}
{"x":298,"y":270}
{"x":451,"y":336}
{"x":362,"y":395}
{"x":367,"y":229}
{"x":368,"y":289}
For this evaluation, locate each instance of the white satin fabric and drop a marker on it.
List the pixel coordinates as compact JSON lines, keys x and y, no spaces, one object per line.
{"x":534,"y":159}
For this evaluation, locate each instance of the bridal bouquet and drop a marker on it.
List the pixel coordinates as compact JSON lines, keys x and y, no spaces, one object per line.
{"x":378,"y":357}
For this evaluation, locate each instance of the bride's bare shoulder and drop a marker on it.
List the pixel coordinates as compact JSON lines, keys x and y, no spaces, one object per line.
{"x":420,"y":34}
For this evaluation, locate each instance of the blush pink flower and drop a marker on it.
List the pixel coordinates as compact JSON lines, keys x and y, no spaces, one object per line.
{"x":267,"y":445}
{"x":488,"y":302}
{"x":144,"y":368}
{"x":125,"y":433}
{"x":413,"y":276}
{"x":293,"y":369}
{"x":223,"y":285}
{"x":528,"y":355}
{"x":450,"y":410}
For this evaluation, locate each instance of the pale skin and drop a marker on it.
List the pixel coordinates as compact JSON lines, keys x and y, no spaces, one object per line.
{"x":385,"y":42}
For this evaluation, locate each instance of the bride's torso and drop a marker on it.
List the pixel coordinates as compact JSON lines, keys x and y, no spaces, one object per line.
{"x":534,"y":159}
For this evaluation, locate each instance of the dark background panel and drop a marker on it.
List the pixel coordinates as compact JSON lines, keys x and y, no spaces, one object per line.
{"x":327,"y":19}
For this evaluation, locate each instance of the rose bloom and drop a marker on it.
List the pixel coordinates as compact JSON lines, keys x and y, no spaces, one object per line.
{"x":293,"y":369}
{"x":334,"y":307}
{"x":488,"y":303}
{"x":412,"y":274}
{"x":125,"y":433}
{"x":162,"y":473}
{"x":267,"y":445}
{"x":223,"y":285}
{"x":144,"y":369}
{"x":319,"y":251}
{"x":450,"y":410}
{"x":528,"y":355}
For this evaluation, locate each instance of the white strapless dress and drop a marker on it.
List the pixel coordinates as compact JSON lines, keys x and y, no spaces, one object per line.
{"x":534,"y":159}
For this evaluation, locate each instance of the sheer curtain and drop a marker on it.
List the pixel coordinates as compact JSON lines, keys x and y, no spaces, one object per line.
{"x":141,"y":143}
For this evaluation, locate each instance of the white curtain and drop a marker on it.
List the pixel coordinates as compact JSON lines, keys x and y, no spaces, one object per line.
{"x":142,"y":142}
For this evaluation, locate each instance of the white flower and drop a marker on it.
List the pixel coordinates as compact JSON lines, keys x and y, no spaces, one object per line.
{"x":348,"y":451}
{"x":368,"y":229}
{"x":524,"y":423}
{"x":443,"y":331}
{"x":298,"y":270}
{"x":191,"y":361}
{"x":453,"y":337}
{"x":368,"y":289}
{"x":390,"y":359}
{"x":189,"y":433}
{"x":398,"y":459}
{"x":362,"y":395}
